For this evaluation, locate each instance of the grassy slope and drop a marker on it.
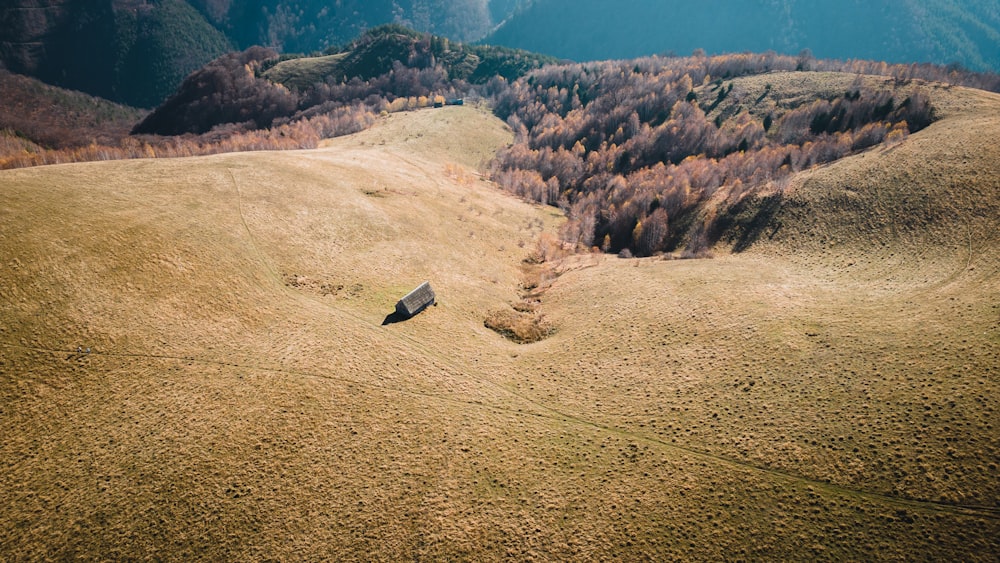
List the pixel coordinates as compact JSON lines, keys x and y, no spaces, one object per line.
{"x":243,"y":401}
{"x":304,"y":72}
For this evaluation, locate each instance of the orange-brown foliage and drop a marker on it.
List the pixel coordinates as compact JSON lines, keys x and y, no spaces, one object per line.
{"x":303,"y":134}
{"x":624,"y":144}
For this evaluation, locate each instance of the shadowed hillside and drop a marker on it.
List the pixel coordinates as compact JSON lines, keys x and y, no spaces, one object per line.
{"x":130,"y":51}
{"x":139,"y":51}
{"x":192,"y":362}
{"x":45,"y":116}
{"x":381,"y":70}
{"x":297,"y":26}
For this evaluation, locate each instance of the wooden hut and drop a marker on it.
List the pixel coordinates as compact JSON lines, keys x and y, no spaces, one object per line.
{"x":416,"y":301}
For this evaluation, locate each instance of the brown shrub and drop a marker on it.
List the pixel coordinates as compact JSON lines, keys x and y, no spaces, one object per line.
{"x":521,"y":327}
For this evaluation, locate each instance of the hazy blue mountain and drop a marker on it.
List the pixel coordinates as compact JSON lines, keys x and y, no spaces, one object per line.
{"x":311,"y":25}
{"x":139,"y":51}
{"x":940,"y":31}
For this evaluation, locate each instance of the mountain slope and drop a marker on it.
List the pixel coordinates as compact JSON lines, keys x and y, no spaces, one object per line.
{"x":129,"y":51}
{"x":926,"y":209}
{"x":56,"y":118}
{"x":138,"y":51}
{"x":237,"y":396}
{"x":305,"y":26}
{"x":387,"y":64}
{"x":940,"y":31}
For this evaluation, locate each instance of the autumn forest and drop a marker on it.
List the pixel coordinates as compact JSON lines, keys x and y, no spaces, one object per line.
{"x":644,"y":159}
{"x":645,"y":156}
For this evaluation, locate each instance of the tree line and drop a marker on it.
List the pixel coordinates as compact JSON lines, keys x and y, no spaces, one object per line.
{"x":231,"y":105}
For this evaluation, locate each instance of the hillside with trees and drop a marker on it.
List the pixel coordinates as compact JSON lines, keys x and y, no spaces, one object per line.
{"x":36,"y":117}
{"x":645,"y":156}
{"x":966,"y":32}
{"x":257,"y":100}
{"x":387,"y":69}
{"x":138,"y":51}
{"x":129,"y":51}
{"x":663,"y":154}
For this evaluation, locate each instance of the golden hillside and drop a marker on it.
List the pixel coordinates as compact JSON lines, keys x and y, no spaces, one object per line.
{"x":831,"y":393}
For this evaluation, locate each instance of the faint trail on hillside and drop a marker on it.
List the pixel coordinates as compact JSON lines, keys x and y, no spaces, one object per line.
{"x":553,"y":414}
{"x":246,"y":227}
{"x":992,"y":513}
{"x":532,"y":407}
{"x":285,"y":371}
{"x":968,"y":266}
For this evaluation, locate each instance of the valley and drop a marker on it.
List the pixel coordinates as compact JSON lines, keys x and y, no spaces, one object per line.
{"x":193,"y":363}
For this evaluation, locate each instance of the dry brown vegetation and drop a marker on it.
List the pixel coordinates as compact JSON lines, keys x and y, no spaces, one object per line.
{"x":43,"y":116}
{"x":655,"y":154}
{"x":830,"y":393}
{"x":521,"y":323}
{"x":41,"y":124}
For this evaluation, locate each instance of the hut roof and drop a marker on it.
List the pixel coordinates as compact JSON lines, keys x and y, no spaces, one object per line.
{"x":416,"y":300}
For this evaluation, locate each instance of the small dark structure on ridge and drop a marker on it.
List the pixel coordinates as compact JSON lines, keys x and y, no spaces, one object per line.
{"x":415,"y":301}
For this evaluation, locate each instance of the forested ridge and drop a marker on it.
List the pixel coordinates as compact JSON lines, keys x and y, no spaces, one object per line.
{"x":389,"y":68}
{"x":139,"y":51}
{"x":659,"y":154}
{"x":237,"y":102}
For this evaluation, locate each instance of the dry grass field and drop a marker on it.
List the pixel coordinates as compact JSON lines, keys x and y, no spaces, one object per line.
{"x":830,"y":393}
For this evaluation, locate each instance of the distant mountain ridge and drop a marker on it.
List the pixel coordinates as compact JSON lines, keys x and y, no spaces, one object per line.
{"x":966,"y":32}
{"x":303,"y":26}
{"x":139,"y":51}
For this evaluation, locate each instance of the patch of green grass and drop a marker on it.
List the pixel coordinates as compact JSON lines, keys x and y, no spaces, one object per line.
{"x":374,"y":54}
{"x":304,"y":72}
